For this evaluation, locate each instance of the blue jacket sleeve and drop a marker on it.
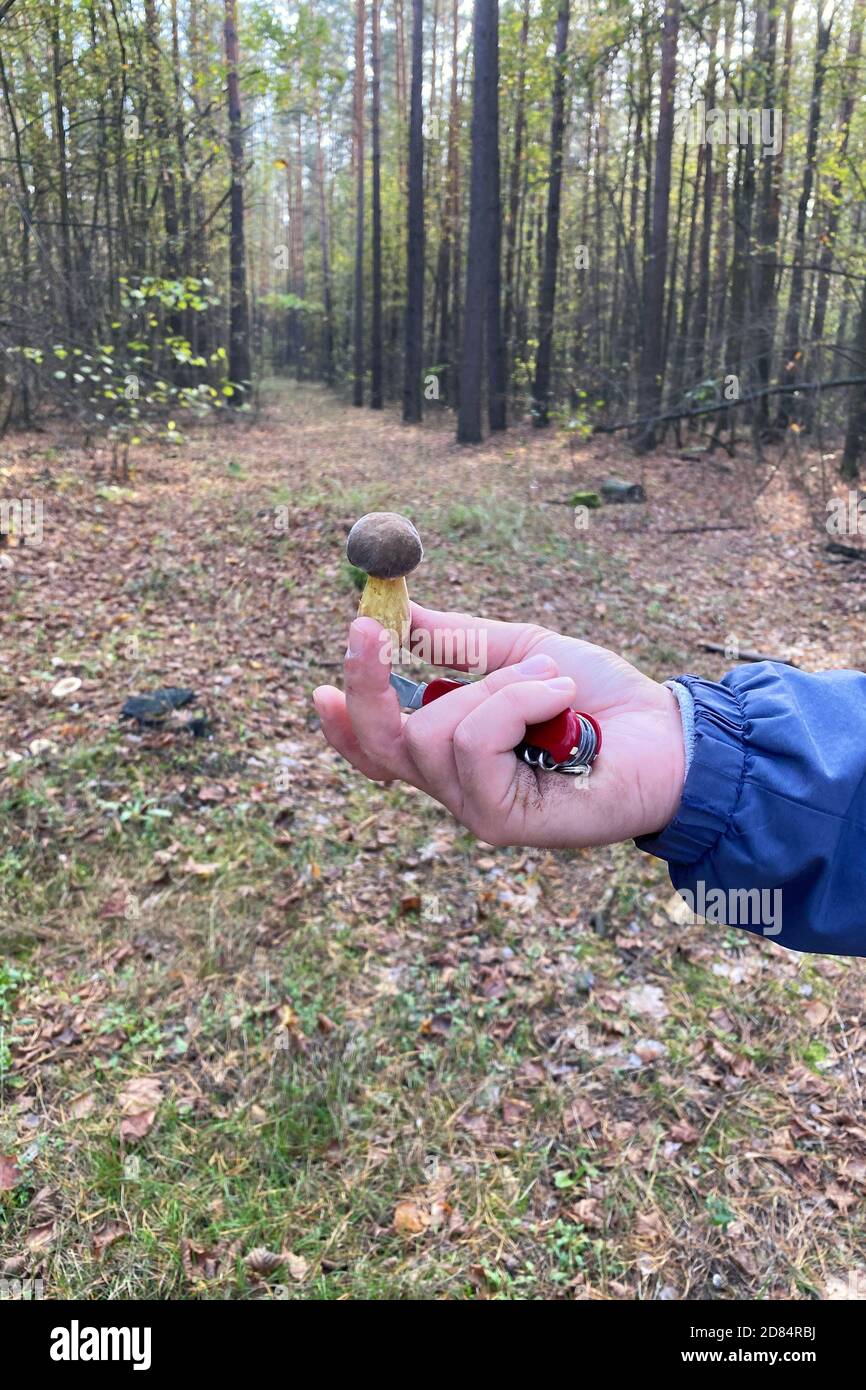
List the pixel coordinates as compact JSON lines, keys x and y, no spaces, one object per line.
{"x":771,"y":831}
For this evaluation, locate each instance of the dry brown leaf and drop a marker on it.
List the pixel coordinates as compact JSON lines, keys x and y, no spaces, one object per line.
{"x":297,"y":1266}
{"x":684,"y":1133}
{"x":107,"y":1235}
{"x":10,"y":1173}
{"x":139,"y":1101}
{"x":646,"y":1000}
{"x":410,"y":1219}
{"x":200,"y":1263}
{"x":589,"y":1213}
{"x":262,"y":1261}
{"x":82,"y":1106}
{"x":40,"y":1237}
{"x":817,"y":1013}
{"x":214,"y":792}
{"x":115,"y":907}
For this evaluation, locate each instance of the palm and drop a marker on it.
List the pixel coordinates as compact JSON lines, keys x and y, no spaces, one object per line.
{"x":633,"y":787}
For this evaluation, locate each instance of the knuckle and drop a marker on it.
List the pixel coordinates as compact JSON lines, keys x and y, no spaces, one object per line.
{"x":415,"y":736}
{"x":532,"y":634}
{"x":466,"y":740}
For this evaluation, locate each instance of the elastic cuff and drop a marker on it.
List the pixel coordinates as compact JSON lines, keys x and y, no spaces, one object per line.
{"x":685,"y":700}
{"x":715,"y":778}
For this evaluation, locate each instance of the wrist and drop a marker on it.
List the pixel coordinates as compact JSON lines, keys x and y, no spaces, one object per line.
{"x":672,"y":761}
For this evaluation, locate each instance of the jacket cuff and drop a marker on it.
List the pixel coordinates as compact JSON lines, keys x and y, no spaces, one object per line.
{"x":715,"y":778}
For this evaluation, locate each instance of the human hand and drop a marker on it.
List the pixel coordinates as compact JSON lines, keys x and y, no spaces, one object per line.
{"x":460,"y":748}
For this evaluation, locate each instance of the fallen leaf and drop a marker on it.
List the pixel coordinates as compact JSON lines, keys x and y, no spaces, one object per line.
{"x":817,"y":1013}
{"x":684,"y":1133}
{"x":139,"y":1102}
{"x":297,"y":1266}
{"x":82,"y":1106}
{"x":262,"y":1261}
{"x":107,"y":1235}
{"x":410,"y":1219}
{"x":116,"y":906}
{"x":200,"y":1263}
{"x":214,"y":792}
{"x":40,"y":1237}
{"x":513,"y":1111}
{"x":588,"y":1213}
{"x":647,"y":1000}
{"x":10,"y":1173}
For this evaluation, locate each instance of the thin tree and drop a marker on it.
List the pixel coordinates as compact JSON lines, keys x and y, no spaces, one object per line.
{"x":358,"y":325}
{"x":475,"y":301}
{"x":376,"y":343}
{"x":496,"y":364}
{"x":414,"y":355}
{"x":650,"y":383}
{"x":791,"y":342}
{"x":239,"y":367}
{"x":541,"y":387}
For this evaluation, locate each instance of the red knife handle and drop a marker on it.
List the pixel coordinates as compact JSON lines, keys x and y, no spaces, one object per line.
{"x":557,"y":736}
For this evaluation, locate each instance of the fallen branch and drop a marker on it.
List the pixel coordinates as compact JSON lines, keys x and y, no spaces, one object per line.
{"x":695,"y":530}
{"x":848,"y":552}
{"x":743,"y":655}
{"x":787,"y":390}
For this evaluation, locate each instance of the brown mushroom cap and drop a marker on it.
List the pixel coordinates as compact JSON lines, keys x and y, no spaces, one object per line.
{"x":385,"y":545}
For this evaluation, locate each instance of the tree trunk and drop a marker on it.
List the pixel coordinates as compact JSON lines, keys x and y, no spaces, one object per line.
{"x":446,"y":351}
{"x":376,"y":344}
{"x":358,"y":324}
{"x":414,"y":358}
{"x":472,"y":357}
{"x":846,"y":111}
{"x":792,"y":352}
{"x":765,"y":272}
{"x":541,"y":387}
{"x":514,"y":180}
{"x":702,"y":295}
{"x":325,"y":240}
{"x":239,"y":367}
{"x":496,"y":369}
{"x":856,"y":428}
{"x":650,"y":382}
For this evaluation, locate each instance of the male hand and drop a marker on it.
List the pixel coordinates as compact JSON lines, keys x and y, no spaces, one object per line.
{"x":460,"y":748}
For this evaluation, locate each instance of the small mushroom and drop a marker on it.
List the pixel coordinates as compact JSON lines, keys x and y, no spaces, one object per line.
{"x":386,"y":547}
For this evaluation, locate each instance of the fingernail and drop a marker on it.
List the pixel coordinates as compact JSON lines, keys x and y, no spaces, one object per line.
{"x":534,"y":665}
{"x":561,"y":683}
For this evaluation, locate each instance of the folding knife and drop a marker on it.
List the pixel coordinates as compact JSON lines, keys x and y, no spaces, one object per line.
{"x":570,"y":742}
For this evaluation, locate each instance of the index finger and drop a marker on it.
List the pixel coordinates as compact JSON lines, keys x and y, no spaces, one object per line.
{"x":462,"y":642}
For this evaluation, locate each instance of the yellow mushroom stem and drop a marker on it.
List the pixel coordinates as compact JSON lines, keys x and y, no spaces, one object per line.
{"x":387,"y":600}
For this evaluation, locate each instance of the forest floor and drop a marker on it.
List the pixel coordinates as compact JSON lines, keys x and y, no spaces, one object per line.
{"x":250,"y":1003}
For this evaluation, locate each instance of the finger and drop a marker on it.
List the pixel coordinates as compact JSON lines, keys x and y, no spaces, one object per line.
{"x":430,"y":731}
{"x":484,"y":742}
{"x":330,"y":706}
{"x":371,"y":704}
{"x":463,"y":642}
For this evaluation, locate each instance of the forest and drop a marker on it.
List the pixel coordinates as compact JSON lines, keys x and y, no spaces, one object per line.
{"x":577,"y":288}
{"x":610,"y":218}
